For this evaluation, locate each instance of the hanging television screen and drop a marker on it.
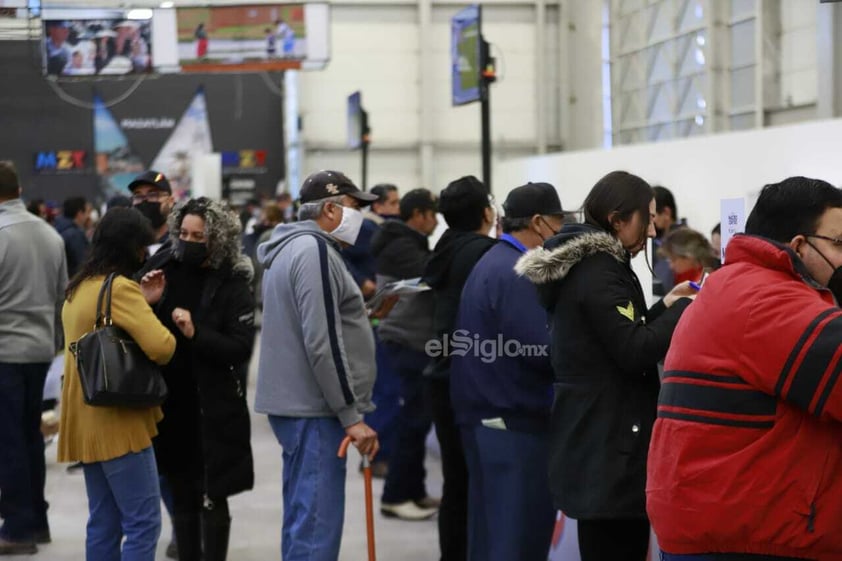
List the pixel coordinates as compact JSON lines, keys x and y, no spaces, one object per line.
{"x":251,"y":37}
{"x":79,"y":42}
{"x":465,"y":57}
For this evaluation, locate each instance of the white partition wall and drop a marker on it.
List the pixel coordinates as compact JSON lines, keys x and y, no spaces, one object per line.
{"x":699,"y":171}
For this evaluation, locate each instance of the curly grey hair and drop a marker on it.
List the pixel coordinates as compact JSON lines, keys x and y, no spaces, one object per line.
{"x":222,"y":229}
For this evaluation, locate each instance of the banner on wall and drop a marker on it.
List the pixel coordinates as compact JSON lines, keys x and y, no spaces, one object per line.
{"x":116,"y":162}
{"x":190,"y":139}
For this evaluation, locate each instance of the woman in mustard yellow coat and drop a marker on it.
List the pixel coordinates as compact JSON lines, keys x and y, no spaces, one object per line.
{"x":114,"y":444}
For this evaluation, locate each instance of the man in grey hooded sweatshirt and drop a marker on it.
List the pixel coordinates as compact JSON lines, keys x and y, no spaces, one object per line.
{"x":316,"y":368}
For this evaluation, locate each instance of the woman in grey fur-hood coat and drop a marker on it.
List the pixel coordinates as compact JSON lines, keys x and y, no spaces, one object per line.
{"x":203,"y":443}
{"x":605,"y":350}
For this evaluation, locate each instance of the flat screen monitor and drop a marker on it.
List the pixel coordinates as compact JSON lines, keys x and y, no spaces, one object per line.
{"x":465,"y":55}
{"x":87,"y":42}
{"x":252,"y":37}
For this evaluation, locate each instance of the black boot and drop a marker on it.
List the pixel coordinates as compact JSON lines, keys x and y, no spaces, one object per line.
{"x":216,"y":527}
{"x":187,"y":536}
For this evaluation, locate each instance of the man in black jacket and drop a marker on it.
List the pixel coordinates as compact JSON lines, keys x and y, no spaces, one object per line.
{"x":466,"y":206}
{"x":401,"y":251}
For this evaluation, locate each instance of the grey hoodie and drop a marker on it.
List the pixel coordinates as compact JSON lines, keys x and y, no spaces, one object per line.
{"x":316,"y":343}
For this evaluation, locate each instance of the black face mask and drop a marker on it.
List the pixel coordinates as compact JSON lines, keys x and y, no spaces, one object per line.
{"x":191,"y":253}
{"x":835,"y":282}
{"x":152,"y":211}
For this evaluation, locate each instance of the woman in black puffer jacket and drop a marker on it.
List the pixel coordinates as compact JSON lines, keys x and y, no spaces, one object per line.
{"x":203,"y":446}
{"x":605,"y":350}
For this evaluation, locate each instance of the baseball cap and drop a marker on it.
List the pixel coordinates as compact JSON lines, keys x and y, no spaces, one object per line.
{"x":531,"y":199}
{"x":153,"y":178}
{"x":327,"y":183}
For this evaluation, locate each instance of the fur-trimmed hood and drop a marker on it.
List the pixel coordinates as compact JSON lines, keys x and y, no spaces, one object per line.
{"x":561,"y":253}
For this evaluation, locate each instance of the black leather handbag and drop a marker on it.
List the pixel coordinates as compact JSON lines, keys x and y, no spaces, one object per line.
{"x":113,"y":369}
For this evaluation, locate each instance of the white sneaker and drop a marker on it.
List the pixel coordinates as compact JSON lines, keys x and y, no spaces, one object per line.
{"x":407,"y":511}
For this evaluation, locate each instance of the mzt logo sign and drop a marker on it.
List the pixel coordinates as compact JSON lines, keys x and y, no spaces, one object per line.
{"x":60,"y":161}
{"x":244,"y":161}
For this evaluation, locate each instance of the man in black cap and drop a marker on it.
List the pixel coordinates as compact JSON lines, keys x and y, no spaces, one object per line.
{"x":317,"y":368}
{"x":501,"y":388}
{"x":152,"y":196}
{"x":466,"y":206}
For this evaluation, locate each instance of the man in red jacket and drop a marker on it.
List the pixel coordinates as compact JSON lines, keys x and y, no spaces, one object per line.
{"x":746,"y":454}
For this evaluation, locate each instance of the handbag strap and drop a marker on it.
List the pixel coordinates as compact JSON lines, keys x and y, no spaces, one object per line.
{"x":103,"y":316}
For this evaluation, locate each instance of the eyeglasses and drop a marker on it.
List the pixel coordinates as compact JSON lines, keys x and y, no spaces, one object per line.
{"x":152,"y":196}
{"x":835,"y":241}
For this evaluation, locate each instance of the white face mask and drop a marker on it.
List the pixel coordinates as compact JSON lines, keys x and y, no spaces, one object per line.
{"x":349,"y":229}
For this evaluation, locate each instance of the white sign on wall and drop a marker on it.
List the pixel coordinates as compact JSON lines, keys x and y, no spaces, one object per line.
{"x":733,"y":221}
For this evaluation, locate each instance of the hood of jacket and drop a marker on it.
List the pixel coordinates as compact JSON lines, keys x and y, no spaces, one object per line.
{"x":392,"y":230}
{"x":283,"y":234}
{"x":575,"y":242}
{"x":441,"y":262}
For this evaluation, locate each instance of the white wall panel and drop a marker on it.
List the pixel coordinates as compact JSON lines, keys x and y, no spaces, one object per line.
{"x":699,"y":171}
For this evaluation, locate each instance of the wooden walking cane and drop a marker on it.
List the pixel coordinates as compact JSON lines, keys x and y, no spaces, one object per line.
{"x":369,"y":503}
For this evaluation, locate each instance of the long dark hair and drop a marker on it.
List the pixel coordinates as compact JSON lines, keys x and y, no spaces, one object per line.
{"x":618,"y":196}
{"x":118,"y":240}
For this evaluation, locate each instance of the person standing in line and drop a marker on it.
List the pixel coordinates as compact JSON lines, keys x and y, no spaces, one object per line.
{"x":33,"y":277}
{"x":401,"y":249}
{"x":468,"y":211}
{"x":746,"y":453}
{"x":114,"y":444}
{"x":72,"y":226}
{"x":666,"y":219}
{"x":605,"y":346}
{"x":363,"y":267}
{"x":317,"y":367}
{"x":501,"y":402}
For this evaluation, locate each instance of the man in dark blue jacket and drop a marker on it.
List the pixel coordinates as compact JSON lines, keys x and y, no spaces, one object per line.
{"x":501,"y":388}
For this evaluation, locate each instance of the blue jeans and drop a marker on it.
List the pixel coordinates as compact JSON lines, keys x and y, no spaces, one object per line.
{"x":314,"y":487}
{"x":124,"y":499}
{"x":22,"y":466}
{"x":510,"y":513}
{"x":386,"y":395}
{"x":405,"y":480}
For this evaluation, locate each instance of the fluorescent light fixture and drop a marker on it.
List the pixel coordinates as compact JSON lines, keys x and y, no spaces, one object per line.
{"x":167,"y":4}
{"x":139,"y":13}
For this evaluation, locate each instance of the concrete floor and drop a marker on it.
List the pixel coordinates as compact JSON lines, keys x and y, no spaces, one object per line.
{"x":256,"y":527}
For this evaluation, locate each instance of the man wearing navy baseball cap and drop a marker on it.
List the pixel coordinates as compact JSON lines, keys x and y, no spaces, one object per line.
{"x":317,"y":365}
{"x":501,"y":397}
{"x":152,"y":196}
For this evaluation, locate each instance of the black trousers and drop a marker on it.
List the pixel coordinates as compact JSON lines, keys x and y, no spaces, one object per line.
{"x":453,"y":513}
{"x":201,"y":530}
{"x":613,"y":540}
{"x":23,"y":469}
